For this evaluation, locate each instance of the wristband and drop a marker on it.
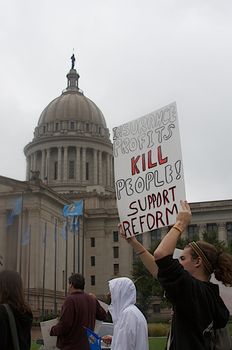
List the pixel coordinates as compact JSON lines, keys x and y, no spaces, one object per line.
{"x":139,"y":253}
{"x":177,"y":228}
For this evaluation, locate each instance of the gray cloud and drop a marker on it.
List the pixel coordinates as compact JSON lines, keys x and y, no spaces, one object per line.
{"x":133,"y":57}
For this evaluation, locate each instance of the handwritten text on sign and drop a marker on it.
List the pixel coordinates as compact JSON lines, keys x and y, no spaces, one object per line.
{"x":149,"y":179}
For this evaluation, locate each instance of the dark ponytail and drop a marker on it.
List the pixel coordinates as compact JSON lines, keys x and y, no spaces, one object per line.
{"x":223,"y":270}
{"x":221,"y":262}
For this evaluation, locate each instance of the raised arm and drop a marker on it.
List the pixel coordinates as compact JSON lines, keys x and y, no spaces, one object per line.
{"x":146,"y":257}
{"x":168,"y":243}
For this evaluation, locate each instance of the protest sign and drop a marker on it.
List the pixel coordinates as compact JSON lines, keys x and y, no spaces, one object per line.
{"x":149,"y":180}
{"x":98,"y":323}
{"x":49,"y":342}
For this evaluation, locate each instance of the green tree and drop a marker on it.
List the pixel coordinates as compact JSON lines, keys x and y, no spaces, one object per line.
{"x":146,"y":285}
{"x":212,"y":238}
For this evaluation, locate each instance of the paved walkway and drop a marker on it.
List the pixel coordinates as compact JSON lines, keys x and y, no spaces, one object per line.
{"x":36,"y":333}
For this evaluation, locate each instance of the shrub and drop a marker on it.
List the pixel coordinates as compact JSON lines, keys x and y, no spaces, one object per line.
{"x":158,"y":329}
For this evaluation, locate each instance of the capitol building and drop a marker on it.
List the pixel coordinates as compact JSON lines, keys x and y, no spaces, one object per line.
{"x":70,"y":158}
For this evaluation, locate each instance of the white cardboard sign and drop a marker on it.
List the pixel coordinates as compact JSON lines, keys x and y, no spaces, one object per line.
{"x":149,"y":179}
{"x":49,"y":341}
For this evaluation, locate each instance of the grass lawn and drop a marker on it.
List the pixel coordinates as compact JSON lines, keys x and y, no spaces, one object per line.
{"x":34,"y":346}
{"x":154,"y":344}
{"x":157,"y":343}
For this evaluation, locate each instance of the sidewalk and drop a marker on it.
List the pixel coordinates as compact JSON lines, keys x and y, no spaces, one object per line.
{"x":36,"y":333}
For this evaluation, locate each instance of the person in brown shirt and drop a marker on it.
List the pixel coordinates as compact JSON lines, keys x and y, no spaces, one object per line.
{"x":79,"y":310}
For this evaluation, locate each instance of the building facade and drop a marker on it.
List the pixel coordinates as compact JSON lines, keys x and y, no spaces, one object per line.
{"x":70,"y":158}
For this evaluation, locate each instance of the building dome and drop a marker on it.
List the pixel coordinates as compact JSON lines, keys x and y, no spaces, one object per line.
{"x":71,"y":149}
{"x":71,"y":112}
{"x":72,"y":106}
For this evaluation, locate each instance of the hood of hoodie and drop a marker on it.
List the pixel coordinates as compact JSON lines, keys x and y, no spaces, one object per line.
{"x":123,"y":294}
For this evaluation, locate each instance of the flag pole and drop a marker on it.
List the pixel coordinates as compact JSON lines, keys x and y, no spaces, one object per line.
{"x":55,"y":263}
{"x":66,"y":257}
{"x":20,"y":236}
{"x":78,"y":253}
{"x":83,"y":242}
{"x":29,"y":264}
{"x":74,"y":246}
{"x":44,"y":267}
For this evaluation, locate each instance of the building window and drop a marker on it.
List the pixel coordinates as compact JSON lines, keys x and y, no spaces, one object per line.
{"x":212,"y":228}
{"x":87,"y":127}
{"x":229,"y":231}
{"x":55,"y":170}
{"x":92,"y":258}
{"x":155,"y":236}
{"x":115,"y":236}
{"x":57,"y":126}
{"x":71,"y":169}
{"x":87,"y":171}
{"x":92,"y":242}
{"x":93,"y":280}
{"x":116,"y":269}
{"x":44,"y":129}
{"x":116,"y":252}
{"x":192,"y":232}
{"x":72,"y":125}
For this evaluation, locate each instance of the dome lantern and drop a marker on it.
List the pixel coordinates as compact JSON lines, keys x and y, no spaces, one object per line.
{"x":73,"y":78}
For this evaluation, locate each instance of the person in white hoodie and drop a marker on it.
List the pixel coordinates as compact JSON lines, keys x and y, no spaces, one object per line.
{"x":130,"y":326}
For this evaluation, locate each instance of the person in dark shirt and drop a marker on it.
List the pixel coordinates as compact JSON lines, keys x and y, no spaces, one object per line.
{"x":79,"y":310}
{"x":197,"y":306}
{"x":11,"y":293}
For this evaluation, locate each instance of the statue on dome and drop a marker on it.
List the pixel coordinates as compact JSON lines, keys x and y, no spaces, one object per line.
{"x":73,"y":61}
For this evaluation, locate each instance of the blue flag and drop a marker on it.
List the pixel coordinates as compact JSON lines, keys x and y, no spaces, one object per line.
{"x":17,"y":208}
{"x":63,"y":231}
{"x":26,"y":237}
{"x":75,"y":225}
{"x":75,"y":209}
{"x":10,"y":219}
{"x":93,"y":339}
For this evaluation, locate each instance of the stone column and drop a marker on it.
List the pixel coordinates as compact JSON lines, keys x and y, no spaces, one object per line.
{"x":202,"y":229}
{"x":100,"y":167}
{"x":95,"y":168}
{"x":43,"y":165}
{"x":28,"y":168}
{"x":35,"y":161}
{"x":48,"y":165}
{"x":111,"y":171}
{"x":32,"y":162}
{"x":108,"y":169}
{"x":65,"y":165}
{"x":222,"y":234}
{"x":83,"y":164}
{"x":78,"y":164}
{"x":59,"y":163}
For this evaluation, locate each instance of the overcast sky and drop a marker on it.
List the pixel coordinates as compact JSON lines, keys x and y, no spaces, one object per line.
{"x":133,"y":57}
